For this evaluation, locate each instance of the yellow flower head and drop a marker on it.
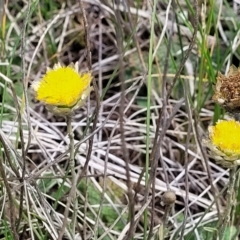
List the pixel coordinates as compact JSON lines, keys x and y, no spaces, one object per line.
{"x":224,"y":142}
{"x":62,"y":88}
{"x":226,"y":136}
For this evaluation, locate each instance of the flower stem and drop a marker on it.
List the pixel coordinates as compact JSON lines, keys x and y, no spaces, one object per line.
{"x":228,"y":217}
{"x":74,"y":180}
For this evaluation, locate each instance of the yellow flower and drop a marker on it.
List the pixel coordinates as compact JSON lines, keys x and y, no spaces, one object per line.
{"x":224,"y":142}
{"x":63,"y":89}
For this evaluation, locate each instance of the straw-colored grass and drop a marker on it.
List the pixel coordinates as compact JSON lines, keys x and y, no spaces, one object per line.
{"x":155,"y":107}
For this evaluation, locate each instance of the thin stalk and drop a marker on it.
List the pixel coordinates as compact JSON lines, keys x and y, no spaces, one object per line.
{"x":149,"y":92}
{"x":72,"y":195}
{"x":72,"y":167}
{"x":235,"y":220}
{"x":10,"y":199}
{"x":231,"y":196}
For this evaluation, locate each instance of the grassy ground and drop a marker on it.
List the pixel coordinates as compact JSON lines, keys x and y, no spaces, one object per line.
{"x":138,"y":136}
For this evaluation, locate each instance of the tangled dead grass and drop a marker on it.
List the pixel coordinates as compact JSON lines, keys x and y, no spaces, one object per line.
{"x":58,"y":35}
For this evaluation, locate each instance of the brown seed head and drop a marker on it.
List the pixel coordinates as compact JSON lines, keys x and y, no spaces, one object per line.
{"x":227,"y":90}
{"x":168,"y":198}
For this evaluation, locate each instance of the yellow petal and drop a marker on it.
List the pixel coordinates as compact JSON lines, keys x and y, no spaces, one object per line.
{"x":62,"y":86}
{"x":226,"y":136}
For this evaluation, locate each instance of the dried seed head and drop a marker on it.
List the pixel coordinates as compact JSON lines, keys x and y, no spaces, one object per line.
{"x":227,"y":90}
{"x":168,"y":198}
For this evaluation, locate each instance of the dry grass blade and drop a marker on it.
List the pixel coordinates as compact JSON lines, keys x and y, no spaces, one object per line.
{"x":122,"y":122}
